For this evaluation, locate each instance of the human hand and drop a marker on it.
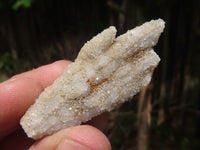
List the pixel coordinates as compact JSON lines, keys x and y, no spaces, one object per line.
{"x":16,"y":96}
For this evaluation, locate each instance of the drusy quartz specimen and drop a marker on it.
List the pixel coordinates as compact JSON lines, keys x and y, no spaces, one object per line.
{"x":107,"y":72}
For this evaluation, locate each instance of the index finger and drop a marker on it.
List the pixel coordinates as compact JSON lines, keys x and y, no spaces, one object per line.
{"x":18,"y":93}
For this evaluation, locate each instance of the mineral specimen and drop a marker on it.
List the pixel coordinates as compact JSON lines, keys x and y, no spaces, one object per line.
{"x":107,"y":72}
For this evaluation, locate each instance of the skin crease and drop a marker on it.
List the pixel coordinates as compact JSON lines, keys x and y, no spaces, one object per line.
{"x":16,"y":96}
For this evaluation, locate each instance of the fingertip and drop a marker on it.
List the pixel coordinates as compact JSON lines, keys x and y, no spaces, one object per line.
{"x":89,"y":136}
{"x":83,"y":136}
{"x":46,"y":74}
{"x":19,"y":92}
{"x":62,"y":63}
{"x":16,"y":96}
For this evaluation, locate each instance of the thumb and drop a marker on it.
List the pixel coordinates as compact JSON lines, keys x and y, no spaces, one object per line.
{"x":82,"y":137}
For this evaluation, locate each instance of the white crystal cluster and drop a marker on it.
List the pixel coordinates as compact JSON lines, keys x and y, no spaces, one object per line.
{"x":107,"y":72}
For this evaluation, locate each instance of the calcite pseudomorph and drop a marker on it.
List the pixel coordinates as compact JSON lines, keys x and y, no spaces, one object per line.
{"x":107,"y":72}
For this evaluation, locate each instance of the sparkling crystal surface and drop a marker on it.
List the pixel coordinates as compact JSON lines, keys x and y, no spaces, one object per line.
{"x":107,"y":72}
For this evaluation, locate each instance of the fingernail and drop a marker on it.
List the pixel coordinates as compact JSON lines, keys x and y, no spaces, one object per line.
{"x":71,"y":145}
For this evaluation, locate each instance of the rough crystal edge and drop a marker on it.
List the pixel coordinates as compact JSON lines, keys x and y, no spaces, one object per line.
{"x":87,"y":55}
